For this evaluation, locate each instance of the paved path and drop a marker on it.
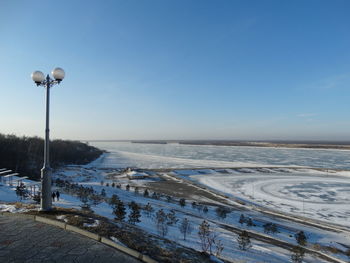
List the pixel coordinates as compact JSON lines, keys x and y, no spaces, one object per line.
{"x":25,"y":240}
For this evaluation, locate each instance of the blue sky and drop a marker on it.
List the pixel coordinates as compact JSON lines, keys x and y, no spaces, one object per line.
{"x":178,"y":69}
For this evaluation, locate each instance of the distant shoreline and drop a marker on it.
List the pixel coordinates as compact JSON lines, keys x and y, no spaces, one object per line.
{"x":337,"y":145}
{"x":275,"y":145}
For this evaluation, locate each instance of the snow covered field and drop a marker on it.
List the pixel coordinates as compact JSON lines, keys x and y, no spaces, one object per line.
{"x":260,"y":252}
{"x":310,"y":194}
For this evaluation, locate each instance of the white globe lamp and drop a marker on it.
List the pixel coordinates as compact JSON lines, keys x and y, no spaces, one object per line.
{"x":58,"y":74}
{"x":38,"y":77}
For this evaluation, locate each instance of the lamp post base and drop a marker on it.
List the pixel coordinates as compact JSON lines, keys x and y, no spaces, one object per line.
{"x":46,"y":198}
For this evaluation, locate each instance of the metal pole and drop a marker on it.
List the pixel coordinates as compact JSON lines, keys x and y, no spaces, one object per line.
{"x":46,"y":202}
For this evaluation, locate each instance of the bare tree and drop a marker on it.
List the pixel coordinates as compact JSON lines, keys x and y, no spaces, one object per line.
{"x":185,"y":227}
{"x":297,"y":254}
{"x":161,"y":221}
{"x":203,"y":233}
{"x":148,"y":210}
{"x":348,"y":253}
{"x":219,"y":247}
{"x":206,"y":236}
{"x":244,"y":240}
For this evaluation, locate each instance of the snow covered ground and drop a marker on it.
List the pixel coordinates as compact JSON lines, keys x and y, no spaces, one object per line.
{"x":260,"y":252}
{"x":308,"y":193}
{"x":317,"y":194}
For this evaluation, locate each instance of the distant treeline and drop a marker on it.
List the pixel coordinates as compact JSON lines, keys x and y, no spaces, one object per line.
{"x":25,"y":155}
{"x":150,"y":142}
{"x":276,"y":144}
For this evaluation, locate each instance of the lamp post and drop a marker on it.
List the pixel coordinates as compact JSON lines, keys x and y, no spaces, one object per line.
{"x":40,"y":80}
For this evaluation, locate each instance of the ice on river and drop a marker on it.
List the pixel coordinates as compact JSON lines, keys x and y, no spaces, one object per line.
{"x":307,"y":192}
{"x":126,"y":154}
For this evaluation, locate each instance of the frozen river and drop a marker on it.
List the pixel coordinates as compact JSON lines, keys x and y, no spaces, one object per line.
{"x":323,"y":195}
{"x":126,"y":154}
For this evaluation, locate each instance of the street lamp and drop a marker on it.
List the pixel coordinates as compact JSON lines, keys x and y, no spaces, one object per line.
{"x":40,"y":80}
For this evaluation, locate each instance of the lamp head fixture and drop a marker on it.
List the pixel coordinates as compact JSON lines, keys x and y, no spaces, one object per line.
{"x":38,"y":77}
{"x":58,"y":74}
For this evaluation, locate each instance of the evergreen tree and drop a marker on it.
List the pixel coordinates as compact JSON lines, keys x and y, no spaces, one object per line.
{"x":182,"y":202}
{"x":185,"y":227}
{"x":222,"y":212}
{"x":103,"y":192}
{"x":146,"y":193}
{"x":270,"y":228}
{"x":114,"y":200}
{"x":205,"y":209}
{"x":113,"y":184}
{"x":274,"y":228}
{"x":194,"y":205}
{"x":267,"y":228}
{"x":155,"y":195}
{"x":244,"y":241}
{"x":171,"y":218}
{"x":95,"y":199}
{"x":134,"y":216}
{"x":250,"y":222}
{"x":127,"y":188}
{"x":241,"y":219}
{"x":301,"y":238}
{"x":136,"y":190}
{"x":84,"y":199}
{"x":119,"y":211}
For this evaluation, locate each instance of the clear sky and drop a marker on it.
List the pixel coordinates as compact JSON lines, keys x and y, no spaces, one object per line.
{"x":178,"y":69}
